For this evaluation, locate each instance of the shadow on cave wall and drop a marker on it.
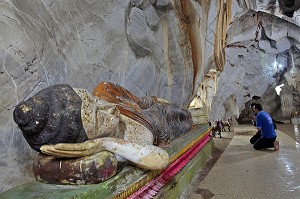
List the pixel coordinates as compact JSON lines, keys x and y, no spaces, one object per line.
{"x":288,"y":7}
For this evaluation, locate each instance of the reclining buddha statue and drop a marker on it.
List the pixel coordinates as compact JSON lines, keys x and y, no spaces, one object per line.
{"x":67,"y":124}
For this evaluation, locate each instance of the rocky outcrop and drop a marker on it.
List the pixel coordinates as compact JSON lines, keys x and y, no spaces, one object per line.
{"x":261,"y":53}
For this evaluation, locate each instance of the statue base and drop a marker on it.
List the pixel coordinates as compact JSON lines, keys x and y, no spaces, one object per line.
{"x":86,"y":170}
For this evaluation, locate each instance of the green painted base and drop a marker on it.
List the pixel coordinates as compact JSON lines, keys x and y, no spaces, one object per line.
{"x":126,"y":177}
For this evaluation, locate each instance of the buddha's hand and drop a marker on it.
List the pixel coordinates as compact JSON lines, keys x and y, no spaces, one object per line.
{"x":70,"y":150}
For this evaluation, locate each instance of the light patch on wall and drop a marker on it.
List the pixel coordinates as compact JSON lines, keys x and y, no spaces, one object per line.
{"x":277,"y":65}
{"x":278,"y":88}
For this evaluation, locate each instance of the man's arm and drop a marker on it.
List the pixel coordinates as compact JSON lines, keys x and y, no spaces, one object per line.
{"x":258,"y":122}
{"x":252,"y":117}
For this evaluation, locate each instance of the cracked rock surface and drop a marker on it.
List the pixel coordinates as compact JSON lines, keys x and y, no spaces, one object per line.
{"x":262,"y":52}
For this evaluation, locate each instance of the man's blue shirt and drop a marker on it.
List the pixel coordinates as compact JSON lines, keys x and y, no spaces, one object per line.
{"x":265,"y":122}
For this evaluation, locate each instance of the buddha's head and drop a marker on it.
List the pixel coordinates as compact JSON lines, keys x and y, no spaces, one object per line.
{"x":51,"y":116}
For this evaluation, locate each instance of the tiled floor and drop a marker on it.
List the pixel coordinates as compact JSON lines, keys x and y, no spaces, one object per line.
{"x":243,"y":173}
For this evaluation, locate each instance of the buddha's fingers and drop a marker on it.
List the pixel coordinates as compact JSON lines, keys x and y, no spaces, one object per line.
{"x":51,"y":150}
{"x":84,"y":146}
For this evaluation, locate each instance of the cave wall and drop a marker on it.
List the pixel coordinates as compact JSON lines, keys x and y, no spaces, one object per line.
{"x":259,"y":57}
{"x":151,"y":47}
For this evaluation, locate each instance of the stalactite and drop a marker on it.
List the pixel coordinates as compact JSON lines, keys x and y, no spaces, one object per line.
{"x":192,"y":21}
{"x":223,"y":20}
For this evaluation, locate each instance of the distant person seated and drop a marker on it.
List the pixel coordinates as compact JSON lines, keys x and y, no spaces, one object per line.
{"x":266,"y":134}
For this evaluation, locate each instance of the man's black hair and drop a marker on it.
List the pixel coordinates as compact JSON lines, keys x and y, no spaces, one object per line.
{"x":252,"y":105}
{"x":258,"y":107}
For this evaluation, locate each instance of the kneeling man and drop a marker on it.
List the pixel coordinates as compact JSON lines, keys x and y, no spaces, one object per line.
{"x":264,"y":123}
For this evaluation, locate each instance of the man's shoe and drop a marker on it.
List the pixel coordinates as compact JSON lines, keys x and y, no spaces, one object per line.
{"x":276,"y":145}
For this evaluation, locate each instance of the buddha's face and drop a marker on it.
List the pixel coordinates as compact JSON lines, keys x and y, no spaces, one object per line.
{"x":32,"y":115}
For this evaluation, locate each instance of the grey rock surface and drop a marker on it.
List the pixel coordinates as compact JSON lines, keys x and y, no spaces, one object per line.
{"x":259,"y":52}
{"x":151,"y":47}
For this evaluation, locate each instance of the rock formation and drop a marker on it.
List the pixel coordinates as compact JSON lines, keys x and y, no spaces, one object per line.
{"x":261,"y":51}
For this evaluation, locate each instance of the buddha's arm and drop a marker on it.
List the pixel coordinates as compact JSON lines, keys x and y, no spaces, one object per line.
{"x":143,"y":155}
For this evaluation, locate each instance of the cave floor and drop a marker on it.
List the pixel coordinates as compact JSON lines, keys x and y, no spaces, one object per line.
{"x":237,"y":171}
